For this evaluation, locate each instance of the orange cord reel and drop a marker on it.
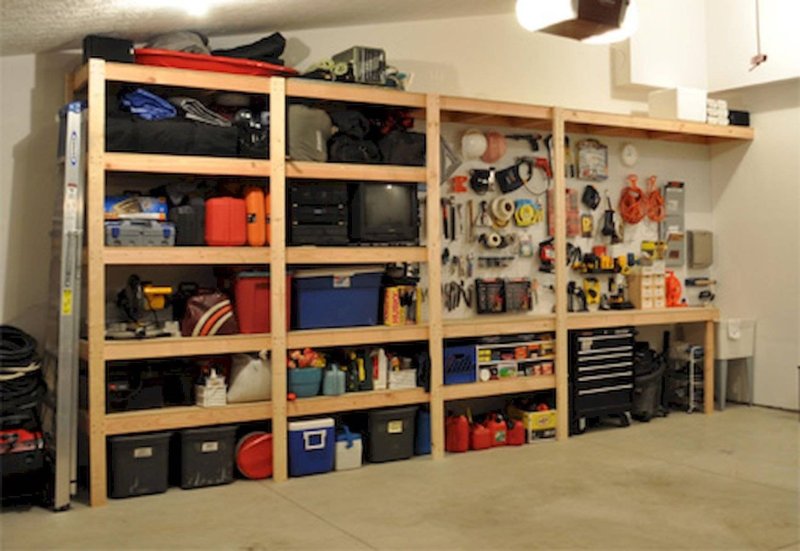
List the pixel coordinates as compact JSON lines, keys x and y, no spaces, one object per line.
{"x":655,"y":201}
{"x":674,"y":290}
{"x":632,"y":205}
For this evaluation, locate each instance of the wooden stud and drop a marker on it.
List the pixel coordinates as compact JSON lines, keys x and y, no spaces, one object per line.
{"x":560,"y":243}
{"x":499,"y":325}
{"x":354,"y":255}
{"x":186,"y":346}
{"x":353,"y":401}
{"x":183,"y":417}
{"x":659,"y":316}
{"x":357,"y":93}
{"x":354,"y":171}
{"x":708,"y":368}
{"x":277,"y":147}
{"x":435,"y":306}
{"x":516,"y":385}
{"x":186,"y":78}
{"x":351,"y":336}
{"x":171,"y":256}
{"x":186,"y":164}
{"x":96,"y":299}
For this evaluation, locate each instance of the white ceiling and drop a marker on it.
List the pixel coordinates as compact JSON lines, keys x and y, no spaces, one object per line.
{"x":28,"y":26}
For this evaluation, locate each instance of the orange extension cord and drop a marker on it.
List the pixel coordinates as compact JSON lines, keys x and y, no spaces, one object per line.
{"x":632,"y":202}
{"x":655,"y":201}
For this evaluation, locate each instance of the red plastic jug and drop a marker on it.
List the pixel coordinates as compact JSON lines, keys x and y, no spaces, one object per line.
{"x":515,"y":433}
{"x":497,"y":428}
{"x":456,"y":434}
{"x":480,"y":438}
{"x":226,"y":222}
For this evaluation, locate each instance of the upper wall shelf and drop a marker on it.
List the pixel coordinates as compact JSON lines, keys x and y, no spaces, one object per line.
{"x":628,"y":126}
{"x":495,"y":113}
{"x":185,"y":164}
{"x":357,"y":93}
{"x":184,"y":78}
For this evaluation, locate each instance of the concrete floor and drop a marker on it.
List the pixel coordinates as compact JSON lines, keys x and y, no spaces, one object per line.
{"x":688,"y":481}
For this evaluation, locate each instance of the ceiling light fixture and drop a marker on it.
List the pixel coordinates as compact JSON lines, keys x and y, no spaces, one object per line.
{"x":590,"y":21}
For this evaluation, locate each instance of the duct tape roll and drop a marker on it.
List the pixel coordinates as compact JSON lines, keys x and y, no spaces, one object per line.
{"x":502,"y":209}
{"x":525,"y":214}
{"x":485,"y":374}
{"x":492,"y":240}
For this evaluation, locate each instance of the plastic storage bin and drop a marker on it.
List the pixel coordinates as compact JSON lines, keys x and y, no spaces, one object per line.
{"x":252,"y":301}
{"x":459,"y":364}
{"x":305,"y":381}
{"x":391,"y":434}
{"x":311,"y":446}
{"x":349,"y":450}
{"x":422,"y":436}
{"x":206,"y":456}
{"x":138,"y":464}
{"x":735,"y":339}
{"x":336,"y":298}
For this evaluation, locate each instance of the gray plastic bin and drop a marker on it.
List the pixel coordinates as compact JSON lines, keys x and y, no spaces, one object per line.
{"x":138,"y":464}
{"x":206,"y":456}
{"x":391,"y":434}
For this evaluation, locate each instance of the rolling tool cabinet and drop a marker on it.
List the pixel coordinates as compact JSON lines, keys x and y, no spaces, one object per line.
{"x":601,"y":375}
{"x":91,"y":81}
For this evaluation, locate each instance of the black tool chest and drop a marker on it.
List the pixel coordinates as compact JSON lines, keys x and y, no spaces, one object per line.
{"x":600,"y":375}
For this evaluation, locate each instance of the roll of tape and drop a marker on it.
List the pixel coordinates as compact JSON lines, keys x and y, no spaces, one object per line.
{"x":503,"y":209}
{"x":485,"y":374}
{"x":525,"y":214}
{"x":493,"y":240}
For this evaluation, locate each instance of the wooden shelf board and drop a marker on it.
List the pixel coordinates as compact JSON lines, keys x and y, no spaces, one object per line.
{"x":354,"y":255}
{"x":660,"y":316}
{"x":184,"y":417}
{"x":495,"y":113}
{"x":185,"y":346}
{"x":503,"y":386}
{"x":629,"y":126}
{"x":353,"y":401}
{"x":348,"y":92}
{"x":80,"y":78}
{"x":186,"y":78}
{"x":487,"y":326}
{"x":352,"y":336}
{"x":134,"y":256}
{"x":354,"y":171}
{"x":185,"y":164}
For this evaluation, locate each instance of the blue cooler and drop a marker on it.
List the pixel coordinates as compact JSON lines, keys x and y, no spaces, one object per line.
{"x":336,"y":298}
{"x":311,"y":446}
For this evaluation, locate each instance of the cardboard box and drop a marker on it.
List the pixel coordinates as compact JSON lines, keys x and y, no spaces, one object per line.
{"x":688,"y":104}
{"x":534,"y":420}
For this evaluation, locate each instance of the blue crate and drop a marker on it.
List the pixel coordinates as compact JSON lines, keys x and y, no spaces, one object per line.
{"x":345,"y":299}
{"x":459,"y":365}
{"x":312,"y":446}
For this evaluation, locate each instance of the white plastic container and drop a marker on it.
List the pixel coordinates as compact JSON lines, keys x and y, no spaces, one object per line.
{"x":349,"y":451}
{"x":688,"y":104}
{"x":735,"y":338}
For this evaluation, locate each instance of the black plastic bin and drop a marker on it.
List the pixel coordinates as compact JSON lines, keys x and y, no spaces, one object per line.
{"x":391,"y":434}
{"x":138,"y":464}
{"x":206,"y":456}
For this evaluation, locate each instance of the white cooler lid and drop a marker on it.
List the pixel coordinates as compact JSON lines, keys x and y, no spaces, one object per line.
{"x":323,"y":423}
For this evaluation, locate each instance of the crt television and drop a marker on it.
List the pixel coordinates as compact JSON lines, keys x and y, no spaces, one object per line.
{"x":384,"y":213}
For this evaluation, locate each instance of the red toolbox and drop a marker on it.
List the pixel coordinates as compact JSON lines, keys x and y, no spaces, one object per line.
{"x":252,"y":302}
{"x":226,"y":222}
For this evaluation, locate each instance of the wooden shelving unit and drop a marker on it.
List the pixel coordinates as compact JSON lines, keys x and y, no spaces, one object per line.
{"x":353,"y":401}
{"x":516,"y":385}
{"x":434,"y":110}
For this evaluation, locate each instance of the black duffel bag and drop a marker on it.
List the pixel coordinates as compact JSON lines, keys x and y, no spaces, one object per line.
{"x":347,"y":149}
{"x":400,"y":147}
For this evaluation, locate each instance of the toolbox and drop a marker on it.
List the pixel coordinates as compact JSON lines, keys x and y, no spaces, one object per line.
{"x":318,"y":214}
{"x":600,"y":375}
{"x":138,"y":464}
{"x":336,"y":298}
{"x":391,"y":434}
{"x":252,"y":301}
{"x":225,"y":222}
{"x":311,"y":446}
{"x":206,"y":456}
{"x":139,"y":233}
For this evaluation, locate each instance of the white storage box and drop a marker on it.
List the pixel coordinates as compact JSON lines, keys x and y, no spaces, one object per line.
{"x":405,"y":378}
{"x":735,"y":338}
{"x":349,"y":451}
{"x":688,"y":104}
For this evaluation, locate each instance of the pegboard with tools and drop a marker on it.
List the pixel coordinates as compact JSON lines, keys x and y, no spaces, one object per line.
{"x":494,"y":221}
{"x":627,"y":194}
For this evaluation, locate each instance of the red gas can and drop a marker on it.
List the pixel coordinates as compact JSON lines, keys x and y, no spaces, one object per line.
{"x":480,"y":438}
{"x":226,"y":222}
{"x":497,"y":428}
{"x":515,"y":435}
{"x":456,"y":434}
{"x":251,"y":297}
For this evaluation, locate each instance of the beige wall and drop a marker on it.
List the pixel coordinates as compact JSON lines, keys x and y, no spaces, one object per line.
{"x":757,"y":226}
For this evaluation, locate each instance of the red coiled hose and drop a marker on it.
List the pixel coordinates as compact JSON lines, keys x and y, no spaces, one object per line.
{"x":632,"y":205}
